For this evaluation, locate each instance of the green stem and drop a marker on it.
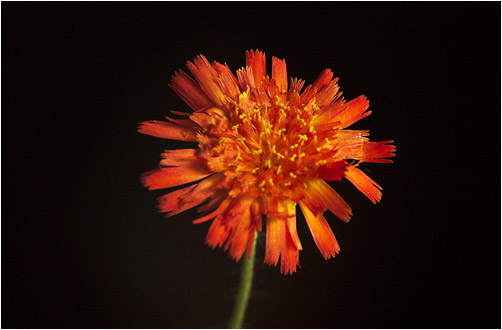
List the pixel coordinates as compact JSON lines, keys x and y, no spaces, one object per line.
{"x":244,"y":290}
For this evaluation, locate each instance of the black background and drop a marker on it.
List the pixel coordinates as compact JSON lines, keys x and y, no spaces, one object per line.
{"x":83,"y":245}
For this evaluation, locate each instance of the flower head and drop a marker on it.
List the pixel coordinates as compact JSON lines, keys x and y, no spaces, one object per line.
{"x":263,"y":148}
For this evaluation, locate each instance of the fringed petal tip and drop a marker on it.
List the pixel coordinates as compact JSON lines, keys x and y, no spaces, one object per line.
{"x":166,"y":130}
{"x":167,"y":177}
{"x":378,"y":152}
{"x":321,"y":232}
{"x":364,"y":183}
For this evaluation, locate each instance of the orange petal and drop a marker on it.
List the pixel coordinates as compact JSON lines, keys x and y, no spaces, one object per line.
{"x":256,"y":215}
{"x":218,"y":233}
{"x":364,"y":183}
{"x":167,"y":130}
{"x":257,"y":62}
{"x":323,"y":79}
{"x":166,"y":177}
{"x":229,"y":85}
{"x":293,"y":234}
{"x":321,"y":232}
{"x":227,"y":80}
{"x":350,"y":144}
{"x":332,"y":171}
{"x":290,"y":257}
{"x":245,"y":78}
{"x":276,"y":239}
{"x":332,"y":199}
{"x":279,"y":243}
{"x":178,"y":157}
{"x":279,"y":73}
{"x":189,"y":91}
{"x":353,"y":111}
{"x":207,"y":76}
{"x":239,"y":206}
{"x":376,"y":152}
{"x":186,"y":198}
{"x":240,"y":236}
{"x":220,"y":210}
{"x":203,"y":119}
{"x":312,"y":200}
{"x":328,"y":94}
{"x":296,"y":86}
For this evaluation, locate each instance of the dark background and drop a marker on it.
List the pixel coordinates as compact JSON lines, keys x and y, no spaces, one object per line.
{"x":84,"y":247}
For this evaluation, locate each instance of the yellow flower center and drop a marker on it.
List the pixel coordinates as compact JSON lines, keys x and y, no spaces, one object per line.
{"x":270,"y":148}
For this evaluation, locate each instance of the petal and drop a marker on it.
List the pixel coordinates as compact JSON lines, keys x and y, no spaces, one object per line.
{"x":167,"y":130}
{"x":291,"y":224}
{"x":328,"y":94}
{"x":323,"y":79}
{"x":240,"y":236}
{"x":353,"y":111}
{"x":245,"y":78}
{"x":229,"y":85}
{"x":218,"y":233}
{"x":296,"y":86}
{"x":207,"y":76}
{"x":186,"y":198}
{"x":376,"y":152}
{"x":276,"y":239}
{"x":290,"y":257}
{"x":279,"y":73}
{"x":203,"y":119}
{"x":239,"y":206}
{"x":227,"y":80}
{"x":178,"y":157}
{"x":166,"y":177}
{"x":187,"y":123}
{"x":321,"y":232}
{"x":330,"y":197}
{"x":312,"y":201}
{"x":189,"y":91}
{"x":280,"y":244}
{"x":332,"y":171}
{"x":220,"y":210}
{"x":257,"y":62}
{"x":256,"y":215}
{"x":364,"y":183}
{"x":350,"y":144}
{"x":214,"y":201}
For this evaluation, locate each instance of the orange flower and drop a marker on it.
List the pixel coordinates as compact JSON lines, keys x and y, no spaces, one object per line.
{"x":262,"y":149}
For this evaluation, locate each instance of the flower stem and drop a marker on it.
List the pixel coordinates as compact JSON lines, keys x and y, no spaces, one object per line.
{"x":244,"y":290}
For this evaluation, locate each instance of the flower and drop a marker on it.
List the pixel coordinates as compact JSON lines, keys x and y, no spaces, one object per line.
{"x":262,"y":149}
